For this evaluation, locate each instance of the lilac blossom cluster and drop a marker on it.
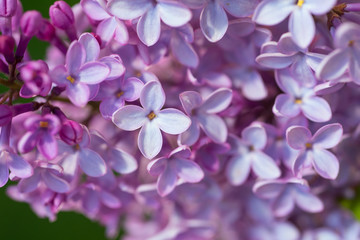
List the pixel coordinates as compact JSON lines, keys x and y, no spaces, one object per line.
{"x":186,"y":119}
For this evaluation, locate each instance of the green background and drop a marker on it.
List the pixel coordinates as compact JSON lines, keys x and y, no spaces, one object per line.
{"x":17,"y":220}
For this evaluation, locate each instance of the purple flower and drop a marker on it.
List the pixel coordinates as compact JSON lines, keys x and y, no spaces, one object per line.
{"x":313,"y":149}
{"x":80,"y":154}
{"x":77,"y":73}
{"x":36,"y":79}
{"x":173,"y":167}
{"x":150,"y":12}
{"x":247,"y":154}
{"x":151,"y":119}
{"x":207,"y":154}
{"x":301,"y":23}
{"x":346,"y":57}
{"x":114,"y":94}
{"x":213,"y":18}
{"x":41,"y":131}
{"x":110,"y":27}
{"x":46,"y":173}
{"x":286,"y":193}
{"x":203,"y":115}
{"x":300,"y":62}
{"x":299,"y":99}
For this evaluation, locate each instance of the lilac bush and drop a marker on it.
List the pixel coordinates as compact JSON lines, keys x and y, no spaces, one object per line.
{"x":249,"y":108}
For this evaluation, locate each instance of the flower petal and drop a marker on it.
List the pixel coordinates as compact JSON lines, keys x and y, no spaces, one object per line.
{"x":283,"y":204}
{"x":116,"y":67}
{"x":255,"y":135}
{"x":302,"y":161}
{"x":319,"y":7}
{"x":128,"y":10}
{"x":191,"y":135}
{"x":306,"y":200}
{"x":253,"y":87}
{"x":188,"y":170}
{"x":173,"y":14}
{"x":93,"y":73}
{"x":27,"y":185}
{"x":157,"y":166}
{"x":75,"y":58}
{"x":190,"y":100}
{"x":273,"y":12}
{"x":152,"y":97}
{"x":150,"y":140}
{"x":298,"y":136}
{"x":78,"y":94}
{"x":240,"y":8}
{"x":302,"y":27}
{"x":183,"y":51}
{"x":264,"y":166}
{"x":122,"y":162}
{"x":91,"y":163}
{"x":268,"y":189}
{"x":286,"y":106}
{"x":47,"y":146}
{"x":129,"y":118}
{"x":214,"y":127}
{"x":166,"y":181}
{"x":334,"y":65}
{"x":217,"y":101}
{"x":238,"y":170}
{"x":94,"y":10}
{"x":110,"y":200}
{"x":4,"y":174}
{"x":213,"y":21}
{"x":328,"y":136}
{"x":172,"y":121}
{"x":55,"y":183}
{"x":28,"y":141}
{"x":316,"y":109}
{"x":325,"y":163}
{"x":148,"y":27}
{"x":19,"y":167}
{"x":274,"y":60}
{"x":91,"y":46}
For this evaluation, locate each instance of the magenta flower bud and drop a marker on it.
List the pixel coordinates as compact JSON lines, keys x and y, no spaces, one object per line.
{"x":36,"y":79}
{"x":6,"y":114}
{"x":71,"y":132}
{"x":7,"y":44}
{"x":61,"y":15}
{"x":30,"y":26}
{"x":25,"y":107}
{"x":46,"y":31}
{"x":8,"y":8}
{"x":352,"y":7}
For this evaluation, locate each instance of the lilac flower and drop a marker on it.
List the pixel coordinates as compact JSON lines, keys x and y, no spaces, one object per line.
{"x":80,"y":155}
{"x":207,"y":154}
{"x":48,"y":174}
{"x":247,"y":154}
{"x":41,"y":131}
{"x":300,"y":62}
{"x":114,"y":94}
{"x":77,"y":73}
{"x":9,"y":160}
{"x":346,"y":57}
{"x":36,"y":79}
{"x":151,"y":119}
{"x":301,"y":23}
{"x":313,"y":149}
{"x":203,"y":115}
{"x":286,"y":193}
{"x":150,"y":12}
{"x":110,"y":27}
{"x":213,"y":18}
{"x":299,"y":99}
{"x":173,"y":167}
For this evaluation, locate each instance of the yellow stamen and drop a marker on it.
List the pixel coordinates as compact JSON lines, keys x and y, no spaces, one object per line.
{"x":119,"y":94}
{"x":351,"y":43}
{"x":151,"y":115}
{"x":308,"y":145}
{"x":43,"y":124}
{"x":71,"y":79}
{"x":300,"y":3}
{"x":298,"y":101}
{"x":77,"y":147}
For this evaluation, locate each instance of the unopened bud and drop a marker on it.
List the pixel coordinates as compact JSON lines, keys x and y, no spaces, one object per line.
{"x":61,"y":15}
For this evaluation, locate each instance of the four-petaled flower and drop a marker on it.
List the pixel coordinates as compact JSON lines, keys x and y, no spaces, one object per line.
{"x":151,"y":119}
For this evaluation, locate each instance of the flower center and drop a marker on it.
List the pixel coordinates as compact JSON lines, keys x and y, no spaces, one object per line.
{"x":308,"y":145}
{"x":300,"y":3}
{"x":77,"y":147}
{"x":151,"y":115}
{"x":298,"y":101}
{"x":351,"y":43}
{"x":70,"y":78}
{"x":43,"y":124}
{"x":119,"y":94}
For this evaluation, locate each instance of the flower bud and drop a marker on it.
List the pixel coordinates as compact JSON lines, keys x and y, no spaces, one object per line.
{"x":30,"y":23}
{"x":7,"y":44}
{"x":46,"y":31}
{"x":71,"y":132}
{"x":61,"y":15}
{"x":8,"y":8}
{"x":6,"y":114}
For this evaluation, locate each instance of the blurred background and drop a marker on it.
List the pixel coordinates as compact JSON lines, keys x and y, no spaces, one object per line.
{"x":17,"y":220}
